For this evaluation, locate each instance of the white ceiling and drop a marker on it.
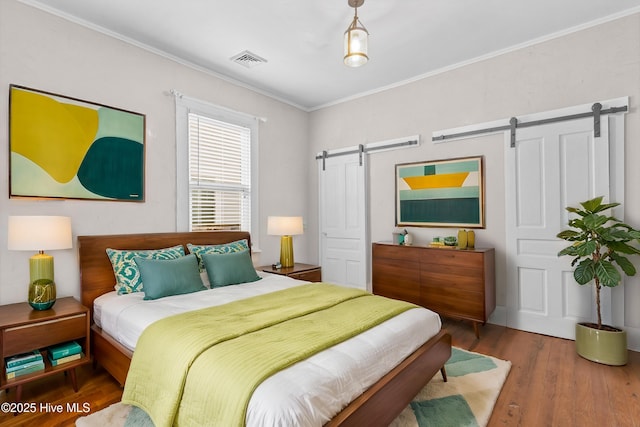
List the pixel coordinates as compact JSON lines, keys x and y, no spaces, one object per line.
{"x":302,"y":39}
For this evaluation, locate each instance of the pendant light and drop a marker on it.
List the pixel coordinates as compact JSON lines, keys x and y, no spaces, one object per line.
{"x":355,"y":39}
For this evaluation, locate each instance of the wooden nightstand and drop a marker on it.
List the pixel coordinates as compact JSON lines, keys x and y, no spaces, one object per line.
{"x":23,"y":329}
{"x":308,"y":272}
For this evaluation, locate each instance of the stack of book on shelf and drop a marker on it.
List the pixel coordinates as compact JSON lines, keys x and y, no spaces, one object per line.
{"x":23,"y":364}
{"x":64,"y":353}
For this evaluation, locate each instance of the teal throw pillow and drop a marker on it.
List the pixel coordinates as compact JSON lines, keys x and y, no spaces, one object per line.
{"x":126,"y":271}
{"x":229,"y":269}
{"x":225,"y":248}
{"x":163,"y":278}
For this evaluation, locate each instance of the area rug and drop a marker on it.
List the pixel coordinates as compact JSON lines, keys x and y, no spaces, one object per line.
{"x":466,"y":399}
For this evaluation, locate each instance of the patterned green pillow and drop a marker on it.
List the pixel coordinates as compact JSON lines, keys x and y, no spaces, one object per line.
{"x":126,"y":270}
{"x":225,"y":248}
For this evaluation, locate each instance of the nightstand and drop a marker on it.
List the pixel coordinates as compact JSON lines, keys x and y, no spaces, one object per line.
{"x":308,"y":272}
{"x":23,"y":329}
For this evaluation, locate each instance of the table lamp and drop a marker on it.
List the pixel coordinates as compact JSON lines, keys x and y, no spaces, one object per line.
{"x":40,"y":233}
{"x":286,"y":227}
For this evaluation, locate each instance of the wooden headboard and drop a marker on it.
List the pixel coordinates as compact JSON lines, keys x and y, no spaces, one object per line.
{"x":96,"y":273}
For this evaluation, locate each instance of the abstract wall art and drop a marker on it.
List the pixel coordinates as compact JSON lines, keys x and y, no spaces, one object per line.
{"x":63,"y":147}
{"x":441,"y":193}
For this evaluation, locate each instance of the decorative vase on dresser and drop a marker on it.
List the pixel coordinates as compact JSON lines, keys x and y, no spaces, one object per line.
{"x":453,"y":283}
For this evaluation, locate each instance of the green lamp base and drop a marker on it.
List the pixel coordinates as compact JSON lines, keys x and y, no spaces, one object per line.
{"x":286,"y":251}
{"x":42,"y":294}
{"x":42,"y":289}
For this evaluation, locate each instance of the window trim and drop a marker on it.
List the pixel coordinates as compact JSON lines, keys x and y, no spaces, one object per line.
{"x":186,"y":105}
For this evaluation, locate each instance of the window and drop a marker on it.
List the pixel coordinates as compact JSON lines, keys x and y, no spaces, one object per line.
{"x":219,"y":175}
{"x":216,"y":169}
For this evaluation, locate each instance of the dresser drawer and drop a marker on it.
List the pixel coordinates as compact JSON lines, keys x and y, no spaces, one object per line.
{"x":403,"y":253}
{"x":24,"y":338}
{"x":454,"y":257}
{"x":470,"y":280}
{"x":454,"y":303}
{"x":309,"y":276}
{"x":397,"y":279}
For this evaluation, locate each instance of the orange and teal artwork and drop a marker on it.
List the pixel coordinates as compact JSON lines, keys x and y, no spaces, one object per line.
{"x":68,"y":148}
{"x":441,"y":193}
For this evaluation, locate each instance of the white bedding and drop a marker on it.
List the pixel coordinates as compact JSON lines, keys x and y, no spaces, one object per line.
{"x":308,"y":393}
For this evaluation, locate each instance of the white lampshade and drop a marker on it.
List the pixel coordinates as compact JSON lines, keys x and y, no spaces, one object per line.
{"x":39,"y":233}
{"x":284,"y":225}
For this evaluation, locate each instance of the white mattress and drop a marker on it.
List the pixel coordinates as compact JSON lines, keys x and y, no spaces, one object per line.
{"x":308,"y":393}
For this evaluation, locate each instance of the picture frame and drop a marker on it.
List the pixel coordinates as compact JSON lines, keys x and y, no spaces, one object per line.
{"x":441,"y":193}
{"x":67,"y":148}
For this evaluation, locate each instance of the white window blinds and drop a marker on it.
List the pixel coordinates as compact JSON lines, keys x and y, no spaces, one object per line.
{"x":219,"y":174}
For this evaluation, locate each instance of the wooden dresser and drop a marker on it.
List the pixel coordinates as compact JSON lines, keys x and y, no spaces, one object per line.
{"x":454,"y":283}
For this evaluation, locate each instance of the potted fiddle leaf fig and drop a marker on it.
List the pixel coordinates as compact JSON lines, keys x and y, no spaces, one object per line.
{"x":600,"y":246}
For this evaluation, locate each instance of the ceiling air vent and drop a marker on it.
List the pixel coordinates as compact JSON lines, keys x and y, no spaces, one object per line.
{"x":248,"y":59}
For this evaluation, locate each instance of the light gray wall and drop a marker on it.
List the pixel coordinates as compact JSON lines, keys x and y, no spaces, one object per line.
{"x":45,"y":52}
{"x":598,"y":63}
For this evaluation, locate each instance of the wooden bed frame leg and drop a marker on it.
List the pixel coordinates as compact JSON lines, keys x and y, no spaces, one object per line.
{"x":443,"y":371}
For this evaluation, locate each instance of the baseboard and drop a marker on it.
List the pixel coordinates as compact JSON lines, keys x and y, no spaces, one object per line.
{"x":633,"y":338}
{"x":499,"y":316}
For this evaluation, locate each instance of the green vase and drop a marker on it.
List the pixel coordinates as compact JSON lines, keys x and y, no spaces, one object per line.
{"x":471,"y":239}
{"x":462,"y":239}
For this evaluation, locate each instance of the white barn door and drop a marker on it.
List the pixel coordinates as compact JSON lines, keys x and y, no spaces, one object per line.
{"x":344,"y":241}
{"x":552,"y":166}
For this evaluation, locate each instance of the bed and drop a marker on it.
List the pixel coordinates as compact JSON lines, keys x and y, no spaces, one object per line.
{"x":379,"y":404}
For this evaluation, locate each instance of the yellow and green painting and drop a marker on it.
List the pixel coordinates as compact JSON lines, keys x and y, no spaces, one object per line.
{"x":443,"y":193}
{"x":67,"y":148}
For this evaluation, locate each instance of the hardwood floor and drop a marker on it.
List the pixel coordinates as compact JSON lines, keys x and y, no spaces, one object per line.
{"x":549,"y":385}
{"x":97,"y":390}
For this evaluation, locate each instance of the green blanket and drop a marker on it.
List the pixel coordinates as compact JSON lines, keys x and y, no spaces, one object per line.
{"x":201,"y":367}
